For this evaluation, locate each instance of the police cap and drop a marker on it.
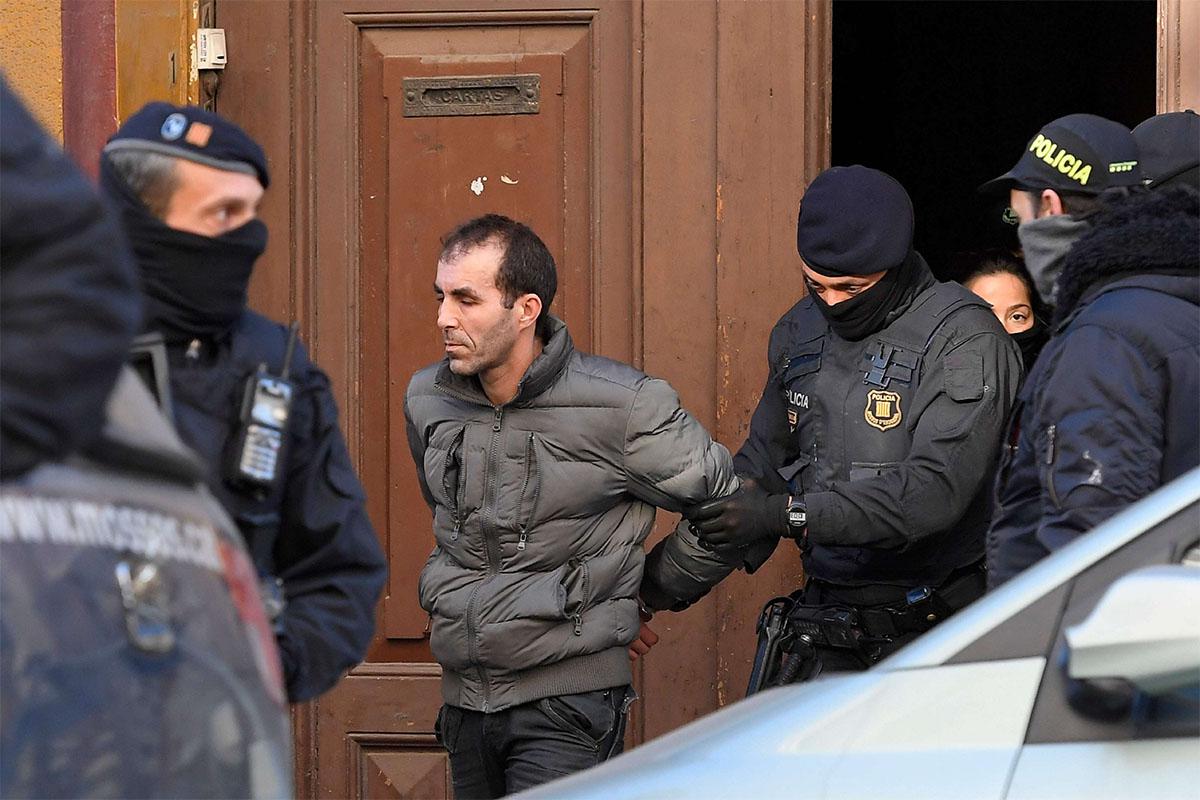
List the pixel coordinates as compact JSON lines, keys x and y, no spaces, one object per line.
{"x":1170,"y":148}
{"x":1079,"y":154}
{"x":192,"y":133}
{"x":854,"y":221}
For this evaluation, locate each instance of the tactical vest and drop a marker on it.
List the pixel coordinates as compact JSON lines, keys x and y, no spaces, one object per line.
{"x":207,"y":398}
{"x":852,"y":408}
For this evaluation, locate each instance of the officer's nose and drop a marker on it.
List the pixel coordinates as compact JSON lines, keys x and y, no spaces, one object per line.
{"x":832,"y":297}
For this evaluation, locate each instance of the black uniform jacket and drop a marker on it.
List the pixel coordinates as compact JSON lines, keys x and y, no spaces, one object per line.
{"x":1111,"y":409}
{"x":312,"y":531}
{"x":891,"y":441}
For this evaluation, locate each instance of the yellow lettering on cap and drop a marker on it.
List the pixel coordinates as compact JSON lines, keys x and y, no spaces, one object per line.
{"x":1036,"y":143}
{"x":1068,"y":163}
{"x":1084,"y":174}
{"x":1058,"y":159}
{"x":1045,"y":150}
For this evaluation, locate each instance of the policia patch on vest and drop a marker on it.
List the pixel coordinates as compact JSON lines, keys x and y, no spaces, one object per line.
{"x":883,"y":409}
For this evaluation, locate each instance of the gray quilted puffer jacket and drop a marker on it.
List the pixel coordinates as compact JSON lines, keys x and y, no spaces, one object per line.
{"x":540,"y":510}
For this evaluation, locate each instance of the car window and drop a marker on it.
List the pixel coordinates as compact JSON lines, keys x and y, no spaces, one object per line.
{"x":1134,"y":716}
{"x":1029,"y":633}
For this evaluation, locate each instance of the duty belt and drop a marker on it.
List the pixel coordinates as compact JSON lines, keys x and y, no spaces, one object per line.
{"x":921,"y":607}
{"x":791,"y":630}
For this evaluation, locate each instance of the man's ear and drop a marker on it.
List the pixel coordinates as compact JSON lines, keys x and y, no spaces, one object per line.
{"x":1051,"y":204}
{"x":530,"y":306}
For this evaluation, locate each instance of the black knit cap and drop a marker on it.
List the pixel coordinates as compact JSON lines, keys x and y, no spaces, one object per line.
{"x":1078,"y":153}
{"x":1170,"y":146}
{"x":192,"y":133}
{"x":854,"y":221}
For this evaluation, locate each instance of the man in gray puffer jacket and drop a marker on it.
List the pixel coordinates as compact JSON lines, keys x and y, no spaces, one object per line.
{"x":543,"y":467}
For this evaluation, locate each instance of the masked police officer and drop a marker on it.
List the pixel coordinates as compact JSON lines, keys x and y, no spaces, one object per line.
{"x":873,"y":443}
{"x":1108,"y":413}
{"x":187,"y":184}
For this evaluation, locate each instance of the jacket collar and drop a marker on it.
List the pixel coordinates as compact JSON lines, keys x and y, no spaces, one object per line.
{"x":540,"y":376}
{"x":1144,"y":235}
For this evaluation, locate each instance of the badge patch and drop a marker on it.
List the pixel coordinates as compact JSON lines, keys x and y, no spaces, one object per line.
{"x":792,"y":419}
{"x":173,"y":127}
{"x":883,"y":409}
{"x":198,"y":134}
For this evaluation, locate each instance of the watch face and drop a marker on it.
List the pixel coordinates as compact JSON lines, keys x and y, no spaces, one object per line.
{"x":797,"y":517}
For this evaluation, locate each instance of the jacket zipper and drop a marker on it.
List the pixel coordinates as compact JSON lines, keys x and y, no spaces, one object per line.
{"x":578,"y":615}
{"x":530,"y":476}
{"x":493,"y":561}
{"x":453,"y":492}
{"x":1051,"y":455}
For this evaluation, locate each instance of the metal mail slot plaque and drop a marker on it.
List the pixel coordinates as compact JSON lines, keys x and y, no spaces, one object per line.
{"x":472,"y":95}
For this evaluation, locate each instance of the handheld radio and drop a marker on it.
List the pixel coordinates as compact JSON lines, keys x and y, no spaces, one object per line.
{"x":262,"y":432}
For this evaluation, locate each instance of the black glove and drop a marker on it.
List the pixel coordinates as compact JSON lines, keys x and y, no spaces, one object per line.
{"x":740,"y":519}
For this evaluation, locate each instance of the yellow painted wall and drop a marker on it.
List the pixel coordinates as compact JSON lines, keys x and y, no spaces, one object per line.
{"x":31,"y":56}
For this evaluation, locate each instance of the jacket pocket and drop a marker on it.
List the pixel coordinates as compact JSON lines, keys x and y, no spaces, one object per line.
{"x":805,"y":359}
{"x":530,"y":489}
{"x":862,"y":470}
{"x":576,"y":581}
{"x":963,"y":376}
{"x":1046,"y":448}
{"x":453,"y":482}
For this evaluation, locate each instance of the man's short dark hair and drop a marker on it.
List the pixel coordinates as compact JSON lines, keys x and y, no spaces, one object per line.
{"x":526,"y":267}
{"x":151,"y":176}
{"x":1075,"y":204}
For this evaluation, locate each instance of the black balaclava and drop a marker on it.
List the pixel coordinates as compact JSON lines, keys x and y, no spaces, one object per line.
{"x":857,"y":221}
{"x":194,"y":286}
{"x":879,"y":306}
{"x":1031,"y":341}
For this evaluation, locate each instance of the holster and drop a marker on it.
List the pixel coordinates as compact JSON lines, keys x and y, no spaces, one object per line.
{"x":773,"y":635}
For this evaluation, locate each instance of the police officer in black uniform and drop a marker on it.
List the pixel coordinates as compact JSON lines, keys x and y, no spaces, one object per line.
{"x":186,"y":183}
{"x":873,"y":443}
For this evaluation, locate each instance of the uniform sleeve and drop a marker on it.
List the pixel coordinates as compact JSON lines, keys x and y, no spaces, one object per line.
{"x":954,"y":450}
{"x":327,"y":555}
{"x":68,"y":298}
{"x":1099,"y":435}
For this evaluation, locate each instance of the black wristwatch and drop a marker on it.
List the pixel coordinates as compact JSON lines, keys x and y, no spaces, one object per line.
{"x":797,"y":516}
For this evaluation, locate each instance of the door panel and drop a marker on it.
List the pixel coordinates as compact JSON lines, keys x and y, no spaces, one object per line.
{"x":647,"y":171}
{"x":436,"y":172}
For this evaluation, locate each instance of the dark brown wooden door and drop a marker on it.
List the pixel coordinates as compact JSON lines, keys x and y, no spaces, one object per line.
{"x":671,"y":143}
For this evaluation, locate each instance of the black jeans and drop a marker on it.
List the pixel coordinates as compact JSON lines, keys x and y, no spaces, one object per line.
{"x":495,"y":754}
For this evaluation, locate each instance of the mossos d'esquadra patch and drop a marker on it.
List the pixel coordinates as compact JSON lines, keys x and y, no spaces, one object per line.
{"x":108,"y":526}
{"x":883,"y":409}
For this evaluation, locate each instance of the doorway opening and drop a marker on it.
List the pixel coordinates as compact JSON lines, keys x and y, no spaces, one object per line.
{"x":945,"y":95}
